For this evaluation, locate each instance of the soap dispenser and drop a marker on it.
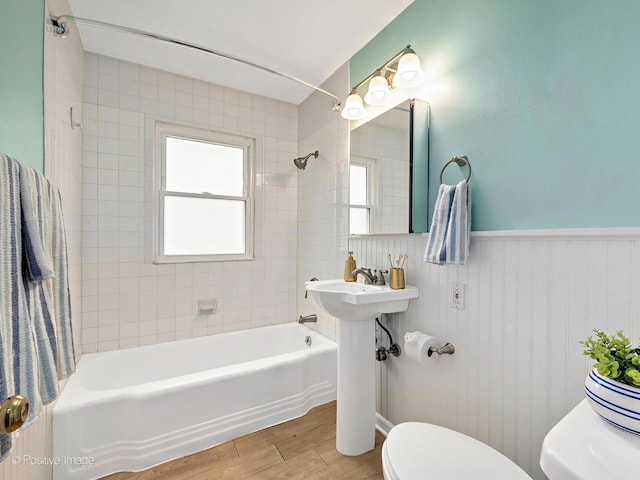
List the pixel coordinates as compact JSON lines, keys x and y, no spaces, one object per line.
{"x":349,"y":266}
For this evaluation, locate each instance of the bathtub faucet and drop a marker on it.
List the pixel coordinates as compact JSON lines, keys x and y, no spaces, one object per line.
{"x":308,"y":318}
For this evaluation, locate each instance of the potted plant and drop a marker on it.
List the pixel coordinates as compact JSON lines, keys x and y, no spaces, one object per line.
{"x":613,"y":386}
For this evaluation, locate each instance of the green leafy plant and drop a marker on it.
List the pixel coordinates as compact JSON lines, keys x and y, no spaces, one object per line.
{"x":615,"y":357}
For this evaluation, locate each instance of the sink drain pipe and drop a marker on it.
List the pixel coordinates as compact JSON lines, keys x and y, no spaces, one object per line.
{"x":394,"y":349}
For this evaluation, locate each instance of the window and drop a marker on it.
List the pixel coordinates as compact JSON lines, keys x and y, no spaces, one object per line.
{"x":361,"y":195}
{"x":204,"y":196}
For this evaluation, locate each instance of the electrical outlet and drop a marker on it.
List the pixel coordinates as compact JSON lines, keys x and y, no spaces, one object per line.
{"x":457,"y":296}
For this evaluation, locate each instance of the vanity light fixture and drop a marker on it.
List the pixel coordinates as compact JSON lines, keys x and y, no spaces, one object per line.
{"x":402,"y":70}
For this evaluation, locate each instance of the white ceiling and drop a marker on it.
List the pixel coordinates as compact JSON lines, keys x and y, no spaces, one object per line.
{"x":307,"y":39}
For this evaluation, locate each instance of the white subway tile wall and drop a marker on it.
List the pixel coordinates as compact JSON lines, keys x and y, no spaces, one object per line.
{"x":128,"y":301}
{"x":322,"y":196}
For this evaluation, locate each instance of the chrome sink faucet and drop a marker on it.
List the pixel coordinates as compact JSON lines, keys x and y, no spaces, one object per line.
{"x":369,"y":278}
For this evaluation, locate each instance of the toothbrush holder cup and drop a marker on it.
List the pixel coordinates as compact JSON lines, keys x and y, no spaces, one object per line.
{"x":396,"y":278}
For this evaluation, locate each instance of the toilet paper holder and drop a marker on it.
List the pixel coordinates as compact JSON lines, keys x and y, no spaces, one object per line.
{"x":446,"y":349}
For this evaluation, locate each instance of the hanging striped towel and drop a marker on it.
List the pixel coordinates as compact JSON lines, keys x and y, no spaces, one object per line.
{"x":35,"y":201}
{"x":32,"y":201}
{"x":36,"y":340}
{"x":18,"y":369}
{"x":46,"y":279}
{"x":450,"y":231}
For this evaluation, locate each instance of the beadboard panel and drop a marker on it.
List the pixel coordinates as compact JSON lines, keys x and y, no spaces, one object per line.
{"x":518,"y":367}
{"x":28,"y":460}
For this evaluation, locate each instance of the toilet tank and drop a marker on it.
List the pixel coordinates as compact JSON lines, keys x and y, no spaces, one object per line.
{"x":582,"y":446}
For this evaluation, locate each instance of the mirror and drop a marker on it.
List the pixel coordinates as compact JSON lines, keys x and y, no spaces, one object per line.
{"x":389,"y":172}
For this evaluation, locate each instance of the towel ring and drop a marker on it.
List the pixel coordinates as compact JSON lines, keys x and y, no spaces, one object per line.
{"x":461,"y":160}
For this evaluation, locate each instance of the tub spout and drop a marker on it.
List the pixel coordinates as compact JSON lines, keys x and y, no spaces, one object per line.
{"x":308,"y":318}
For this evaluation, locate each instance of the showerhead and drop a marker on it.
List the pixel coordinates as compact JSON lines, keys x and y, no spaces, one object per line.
{"x":301,"y":162}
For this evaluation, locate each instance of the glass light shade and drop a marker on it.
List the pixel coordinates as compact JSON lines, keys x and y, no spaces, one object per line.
{"x":409,"y":72}
{"x":353,"y":108}
{"x":379,"y":92}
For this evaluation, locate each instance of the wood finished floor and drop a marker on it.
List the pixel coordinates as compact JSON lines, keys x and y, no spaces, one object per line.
{"x":304,"y":448}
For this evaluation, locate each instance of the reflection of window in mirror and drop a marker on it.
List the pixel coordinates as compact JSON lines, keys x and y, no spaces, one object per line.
{"x":398,"y":139}
{"x":362,"y":198}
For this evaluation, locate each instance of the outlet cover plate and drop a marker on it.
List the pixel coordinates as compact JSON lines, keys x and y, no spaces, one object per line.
{"x":457,"y":298}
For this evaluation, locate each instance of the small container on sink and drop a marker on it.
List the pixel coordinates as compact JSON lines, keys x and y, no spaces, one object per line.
{"x":396,"y":278}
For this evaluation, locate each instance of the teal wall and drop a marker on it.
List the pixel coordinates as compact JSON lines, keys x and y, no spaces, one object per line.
{"x":21,"y":88}
{"x":542,"y":95}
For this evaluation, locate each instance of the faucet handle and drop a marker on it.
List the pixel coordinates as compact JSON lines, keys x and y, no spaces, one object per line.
{"x":380,"y":277}
{"x":313,"y":279}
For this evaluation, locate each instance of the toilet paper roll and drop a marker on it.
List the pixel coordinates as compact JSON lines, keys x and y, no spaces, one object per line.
{"x":417,"y":345}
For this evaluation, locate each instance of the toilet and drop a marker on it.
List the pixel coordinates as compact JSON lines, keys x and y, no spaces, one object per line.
{"x":583,"y":446}
{"x":421,"y":451}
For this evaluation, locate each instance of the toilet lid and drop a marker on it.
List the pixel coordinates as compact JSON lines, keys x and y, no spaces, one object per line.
{"x":420,"y":451}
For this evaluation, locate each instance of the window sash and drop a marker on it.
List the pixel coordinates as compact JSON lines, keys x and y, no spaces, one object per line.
{"x":367,"y":209}
{"x":371,"y":192}
{"x":248,"y":145}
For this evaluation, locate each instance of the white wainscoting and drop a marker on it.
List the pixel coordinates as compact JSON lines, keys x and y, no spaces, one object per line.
{"x":518,"y":367}
{"x":31,"y":457}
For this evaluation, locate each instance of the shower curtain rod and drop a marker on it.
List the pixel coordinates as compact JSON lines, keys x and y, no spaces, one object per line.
{"x":60,"y":29}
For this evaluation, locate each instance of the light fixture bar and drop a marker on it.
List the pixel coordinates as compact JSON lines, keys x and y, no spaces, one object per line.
{"x":60,"y":29}
{"x":384,"y":65}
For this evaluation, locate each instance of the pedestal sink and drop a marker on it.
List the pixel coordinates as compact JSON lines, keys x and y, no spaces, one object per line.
{"x":356,"y":306}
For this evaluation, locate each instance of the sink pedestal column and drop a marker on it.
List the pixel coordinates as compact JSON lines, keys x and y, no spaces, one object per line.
{"x":356,"y":409}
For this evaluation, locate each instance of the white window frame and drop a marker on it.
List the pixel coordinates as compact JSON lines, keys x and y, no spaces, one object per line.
{"x":372,"y":190}
{"x":248,"y":144}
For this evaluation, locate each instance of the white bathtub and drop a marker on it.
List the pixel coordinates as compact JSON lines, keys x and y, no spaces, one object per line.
{"x":128,"y":410}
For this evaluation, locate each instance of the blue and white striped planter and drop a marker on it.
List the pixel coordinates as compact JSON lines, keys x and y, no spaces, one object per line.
{"x":615,"y":402}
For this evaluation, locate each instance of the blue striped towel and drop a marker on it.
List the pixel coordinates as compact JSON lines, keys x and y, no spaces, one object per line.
{"x":46,"y":279}
{"x":37,"y":259}
{"x":19,"y":372}
{"x":61,"y":294}
{"x":450,"y":231}
{"x":36,"y":340}
{"x":35,"y":201}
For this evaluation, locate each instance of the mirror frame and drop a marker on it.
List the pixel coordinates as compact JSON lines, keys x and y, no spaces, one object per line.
{"x":418,"y":170}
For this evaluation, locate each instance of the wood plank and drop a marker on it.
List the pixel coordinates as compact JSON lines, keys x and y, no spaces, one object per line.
{"x":220,"y":453}
{"x":316,"y":433}
{"x":238,"y":468}
{"x":204,"y":466}
{"x":297,"y":468}
{"x":319,"y":416}
{"x":367,"y":465}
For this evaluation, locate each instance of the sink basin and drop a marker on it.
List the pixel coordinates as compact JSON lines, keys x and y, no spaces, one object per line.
{"x":357,"y":301}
